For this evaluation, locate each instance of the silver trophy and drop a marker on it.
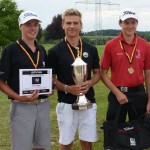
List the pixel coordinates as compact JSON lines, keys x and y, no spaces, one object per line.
{"x":79,"y":76}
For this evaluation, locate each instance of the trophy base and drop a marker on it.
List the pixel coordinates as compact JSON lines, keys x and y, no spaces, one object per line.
{"x":77,"y":106}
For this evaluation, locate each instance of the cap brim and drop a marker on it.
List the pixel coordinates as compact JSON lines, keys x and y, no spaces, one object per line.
{"x":28,"y":19}
{"x":128,"y":16}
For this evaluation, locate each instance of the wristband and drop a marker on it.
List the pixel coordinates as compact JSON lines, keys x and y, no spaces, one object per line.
{"x":65,"y":89}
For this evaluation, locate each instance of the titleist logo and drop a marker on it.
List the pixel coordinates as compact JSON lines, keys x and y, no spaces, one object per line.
{"x":128,"y":12}
{"x":29,"y":14}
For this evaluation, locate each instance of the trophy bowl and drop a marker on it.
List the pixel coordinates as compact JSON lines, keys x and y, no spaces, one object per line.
{"x":79,"y":76}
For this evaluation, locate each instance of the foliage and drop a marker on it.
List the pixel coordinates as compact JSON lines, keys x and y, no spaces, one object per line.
{"x":109,"y":32}
{"x":144,"y":35}
{"x":99,"y":40}
{"x":39,"y":36}
{"x":9,"y":30}
{"x":54,"y":30}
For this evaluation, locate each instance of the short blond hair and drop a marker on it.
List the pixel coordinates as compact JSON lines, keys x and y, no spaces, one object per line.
{"x":71,"y":12}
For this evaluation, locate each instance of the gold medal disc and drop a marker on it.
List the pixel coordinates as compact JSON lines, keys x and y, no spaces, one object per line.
{"x":130,"y":70}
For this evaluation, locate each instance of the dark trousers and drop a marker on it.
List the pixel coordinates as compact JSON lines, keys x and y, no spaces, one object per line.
{"x":138,"y":99}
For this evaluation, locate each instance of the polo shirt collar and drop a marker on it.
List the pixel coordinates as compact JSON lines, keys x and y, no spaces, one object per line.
{"x":26,"y":46}
{"x":122,"y":39}
{"x":70,"y":44}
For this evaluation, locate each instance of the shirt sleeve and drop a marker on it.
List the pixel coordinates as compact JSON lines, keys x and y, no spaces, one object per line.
{"x":147,"y":57}
{"x":96,"y":60}
{"x":5,"y":64}
{"x":52,"y":61}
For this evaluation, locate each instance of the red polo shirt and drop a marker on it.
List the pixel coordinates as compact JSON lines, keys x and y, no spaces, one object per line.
{"x":115,"y":58}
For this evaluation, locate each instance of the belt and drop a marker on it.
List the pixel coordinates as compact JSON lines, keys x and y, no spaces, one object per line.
{"x":131,"y":89}
{"x":37,"y":101}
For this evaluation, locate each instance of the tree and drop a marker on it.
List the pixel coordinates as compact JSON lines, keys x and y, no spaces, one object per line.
{"x":9,"y":30}
{"x":54,"y":30}
{"x":39,"y":36}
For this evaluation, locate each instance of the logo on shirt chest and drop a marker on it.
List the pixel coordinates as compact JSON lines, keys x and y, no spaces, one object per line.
{"x":43,"y":64}
{"x":138,"y":53}
{"x":85,"y":55}
{"x":119,"y":54}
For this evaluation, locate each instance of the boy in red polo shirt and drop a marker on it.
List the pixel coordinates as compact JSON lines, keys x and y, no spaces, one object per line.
{"x":128,"y":57}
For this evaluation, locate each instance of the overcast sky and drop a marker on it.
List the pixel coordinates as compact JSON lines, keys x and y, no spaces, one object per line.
{"x":47,"y":9}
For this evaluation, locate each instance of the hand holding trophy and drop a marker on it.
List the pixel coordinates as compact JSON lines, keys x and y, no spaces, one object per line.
{"x":79,"y":76}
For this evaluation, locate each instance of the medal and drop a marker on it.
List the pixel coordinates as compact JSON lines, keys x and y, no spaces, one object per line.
{"x":130,"y":58}
{"x":131,"y":70}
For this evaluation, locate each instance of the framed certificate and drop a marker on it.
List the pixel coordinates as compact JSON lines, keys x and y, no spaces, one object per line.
{"x":35,"y":79}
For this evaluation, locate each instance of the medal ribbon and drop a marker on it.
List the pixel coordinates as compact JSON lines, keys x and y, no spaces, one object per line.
{"x":38,"y":55}
{"x":133,"y":51}
{"x":79,"y":52}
